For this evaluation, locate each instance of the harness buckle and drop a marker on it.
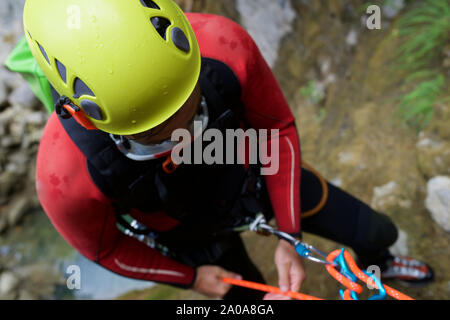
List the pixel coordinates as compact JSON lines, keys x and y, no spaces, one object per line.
{"x":169,"y":166}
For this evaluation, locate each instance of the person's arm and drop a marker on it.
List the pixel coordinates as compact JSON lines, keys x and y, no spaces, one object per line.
{"x":85,"y":217}
{"x":265,"y":108}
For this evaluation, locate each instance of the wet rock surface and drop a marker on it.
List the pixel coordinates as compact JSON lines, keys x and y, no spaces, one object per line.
{"x":347,"y":122}
{"x":22,"y":119}
{"x":438,"y":200}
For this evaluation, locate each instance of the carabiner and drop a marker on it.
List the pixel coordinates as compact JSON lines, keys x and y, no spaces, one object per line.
{"x":306,"y":250}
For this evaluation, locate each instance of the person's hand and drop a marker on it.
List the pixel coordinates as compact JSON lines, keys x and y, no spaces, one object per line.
{"x":276,"y":296}
{"x":209,"y":281}
{"x":291,"y":272}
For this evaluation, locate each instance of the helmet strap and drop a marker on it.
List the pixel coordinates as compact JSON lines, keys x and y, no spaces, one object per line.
{"x":66,"y":109}
{"x":139,"y":152}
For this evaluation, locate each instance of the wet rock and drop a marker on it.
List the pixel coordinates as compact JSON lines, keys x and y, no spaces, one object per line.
{"x":400,"y":247}
{"x":5,"y":49}
{"x":17,"y":210}
{"x":8,"y":260}
{"x":10,"y":12}
{"x":10,"y":141}
{"x":8,"y":282}
{"x":41,"y":279}
{"x":4,"y":10}
{"x":433,"y":155}
{"x":267,"y":22}
{"x":336,"y":182}
{"x":33,"y":138}
{"x":10,"y":296}
{"x":23,"y":97}
{"x":36,"y":118}
{"x":8,"y":182}
{"x":438,"y":201}
{"x":20,"y":158}
{"x":26,"y":295}
{"x":17,"y":128}
{"x":352,"y":38}
{"x":389,"y":196}
{"x":346,"y":157}
{"x":392,"y":8}
{"x":6,"y":117}
{"x":12,"y":80}
{"x":3,"y":222}
{"x":3,"y":93}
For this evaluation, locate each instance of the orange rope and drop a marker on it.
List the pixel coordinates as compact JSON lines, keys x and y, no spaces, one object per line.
{"x":266,"y":288}
{"x":360,"y":275}
{"x":340,"y":277}
{"x":347,"y":295}
{"x":363,"y":277}
{"x":350,"y":285}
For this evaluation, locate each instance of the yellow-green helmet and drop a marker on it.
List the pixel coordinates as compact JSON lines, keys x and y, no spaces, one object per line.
{"x":129,"y":64}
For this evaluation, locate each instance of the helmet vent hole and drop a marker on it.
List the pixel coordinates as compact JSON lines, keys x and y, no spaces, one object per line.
{"x":43,"y":53}
{"x":61,"y":70}
{"x":80,"y":88}
{"x":150,"y":4}
{"x":161,"y":25}
{"x":92,"y":109}
{"x":180,"y":40}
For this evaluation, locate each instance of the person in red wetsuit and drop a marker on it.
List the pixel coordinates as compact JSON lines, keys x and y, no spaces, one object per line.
{"x":122,"y":83}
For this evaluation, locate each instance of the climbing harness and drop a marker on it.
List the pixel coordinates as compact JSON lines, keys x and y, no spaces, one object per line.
{"x":339,"y":264}
{"x":306,"y":251}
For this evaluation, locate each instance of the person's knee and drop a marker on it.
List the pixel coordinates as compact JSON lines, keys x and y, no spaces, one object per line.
{"x":382,"y":231}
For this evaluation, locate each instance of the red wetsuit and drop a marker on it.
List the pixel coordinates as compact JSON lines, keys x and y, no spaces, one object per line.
{"x":85,"y":217}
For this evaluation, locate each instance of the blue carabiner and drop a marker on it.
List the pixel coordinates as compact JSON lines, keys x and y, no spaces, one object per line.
{"x":346,"y":272}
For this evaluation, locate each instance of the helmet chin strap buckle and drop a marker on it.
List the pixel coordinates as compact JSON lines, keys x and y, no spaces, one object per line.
{"x":66,"y":110}
{"x":169,"y":166}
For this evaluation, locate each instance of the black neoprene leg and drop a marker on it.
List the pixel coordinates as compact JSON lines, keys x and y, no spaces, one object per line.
{"x":348,"y":221}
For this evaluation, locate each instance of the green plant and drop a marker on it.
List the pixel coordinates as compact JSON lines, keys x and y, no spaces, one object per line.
{"x":423,"y":31}
{"x":313,"y":92}
{"x":416,"y":107}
